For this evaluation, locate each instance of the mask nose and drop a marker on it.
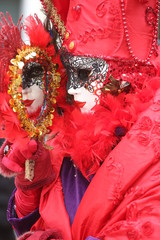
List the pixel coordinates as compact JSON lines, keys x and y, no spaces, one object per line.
{"x":25,"y":93}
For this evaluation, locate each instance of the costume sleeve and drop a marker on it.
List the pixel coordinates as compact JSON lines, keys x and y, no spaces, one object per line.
{"x":141,"y":220}
{"x":20,"y":225}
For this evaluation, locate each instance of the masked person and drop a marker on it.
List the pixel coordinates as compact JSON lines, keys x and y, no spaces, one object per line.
{"x":106,"y":152}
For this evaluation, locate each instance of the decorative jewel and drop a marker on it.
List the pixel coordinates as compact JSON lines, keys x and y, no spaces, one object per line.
{"x":120,"y":131}
{"x":6,"y":150}
{"x":51,"y":81}
{"x":29,"y":170}
{"x":71,"y":45}
{"x":75,"y":175}
{"x":67,"y":35}
{"x":76,"y":11}
{"x":116,"y":87}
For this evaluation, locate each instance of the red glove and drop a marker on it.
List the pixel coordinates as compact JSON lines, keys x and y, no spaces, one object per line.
{"x":33,"y":170}
{"x":38,"y":159}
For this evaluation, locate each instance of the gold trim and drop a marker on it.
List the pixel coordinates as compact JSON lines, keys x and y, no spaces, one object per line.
{"x":55,"y":17}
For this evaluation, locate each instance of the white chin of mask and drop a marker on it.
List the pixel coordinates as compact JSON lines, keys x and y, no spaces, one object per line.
{"x":82,"y":95}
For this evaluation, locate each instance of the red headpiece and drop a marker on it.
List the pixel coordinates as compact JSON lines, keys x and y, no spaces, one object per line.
{"x":107,"y":29}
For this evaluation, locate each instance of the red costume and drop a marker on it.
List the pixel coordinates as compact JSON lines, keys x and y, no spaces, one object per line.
{"x":115,"y":149}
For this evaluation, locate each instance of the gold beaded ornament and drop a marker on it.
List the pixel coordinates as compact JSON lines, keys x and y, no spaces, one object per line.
{"x":56,"y":18}
{"x":33,"y":54}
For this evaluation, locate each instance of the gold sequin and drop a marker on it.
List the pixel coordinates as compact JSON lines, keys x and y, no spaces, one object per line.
{"x":67,"y":35}
{"x":71,"y":45}
{"x":55,"y":17}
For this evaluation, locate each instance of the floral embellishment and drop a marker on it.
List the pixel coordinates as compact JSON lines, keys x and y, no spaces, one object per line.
{"x":145,"y":123}
{"x":117,"y":226}
{"x":156,"y":106}
{"x":156,"y":129}
{"x":110,"y":164}
{"x":143,"y":139}
{"x":132,"y":234}
{"x":132,"y":212}
{"x":101,"y":9}
{"x":156,"y":147}
{"x":147,"y":228}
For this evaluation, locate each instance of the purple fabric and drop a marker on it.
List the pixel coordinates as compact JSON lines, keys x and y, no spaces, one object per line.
{"x":20,"y":225}
{"x":74,"y":186}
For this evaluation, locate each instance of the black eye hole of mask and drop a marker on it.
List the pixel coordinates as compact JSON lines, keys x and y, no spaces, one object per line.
{"x":83,"y":75}
{"x":32,"y":73}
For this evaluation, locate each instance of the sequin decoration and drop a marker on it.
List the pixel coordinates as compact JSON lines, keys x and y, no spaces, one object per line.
{"x":39,"y":128}
{"x":129,"y":71}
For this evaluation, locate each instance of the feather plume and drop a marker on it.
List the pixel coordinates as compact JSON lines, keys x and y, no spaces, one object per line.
{"x":10,"y":38}
{"x":37,"y":33}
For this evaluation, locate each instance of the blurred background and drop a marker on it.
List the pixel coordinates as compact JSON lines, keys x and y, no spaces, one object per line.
{"x":19,"y":7}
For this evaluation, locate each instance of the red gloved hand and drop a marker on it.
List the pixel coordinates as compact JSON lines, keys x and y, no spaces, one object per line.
{"x":29,"y":165}
{"x":30,"y":177}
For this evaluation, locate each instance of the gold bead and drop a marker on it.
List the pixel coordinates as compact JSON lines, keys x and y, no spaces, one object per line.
{"x":9,"y":91}
{"x":11,"y":102}
{"x":52,"y":116}
{"x":71,"y":45}
{"x":67,"y":35}
{"x":14,"y":109}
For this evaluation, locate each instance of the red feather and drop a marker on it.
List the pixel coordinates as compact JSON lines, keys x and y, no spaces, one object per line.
{"x":10,"y":38}
{"x":36,"y":32}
